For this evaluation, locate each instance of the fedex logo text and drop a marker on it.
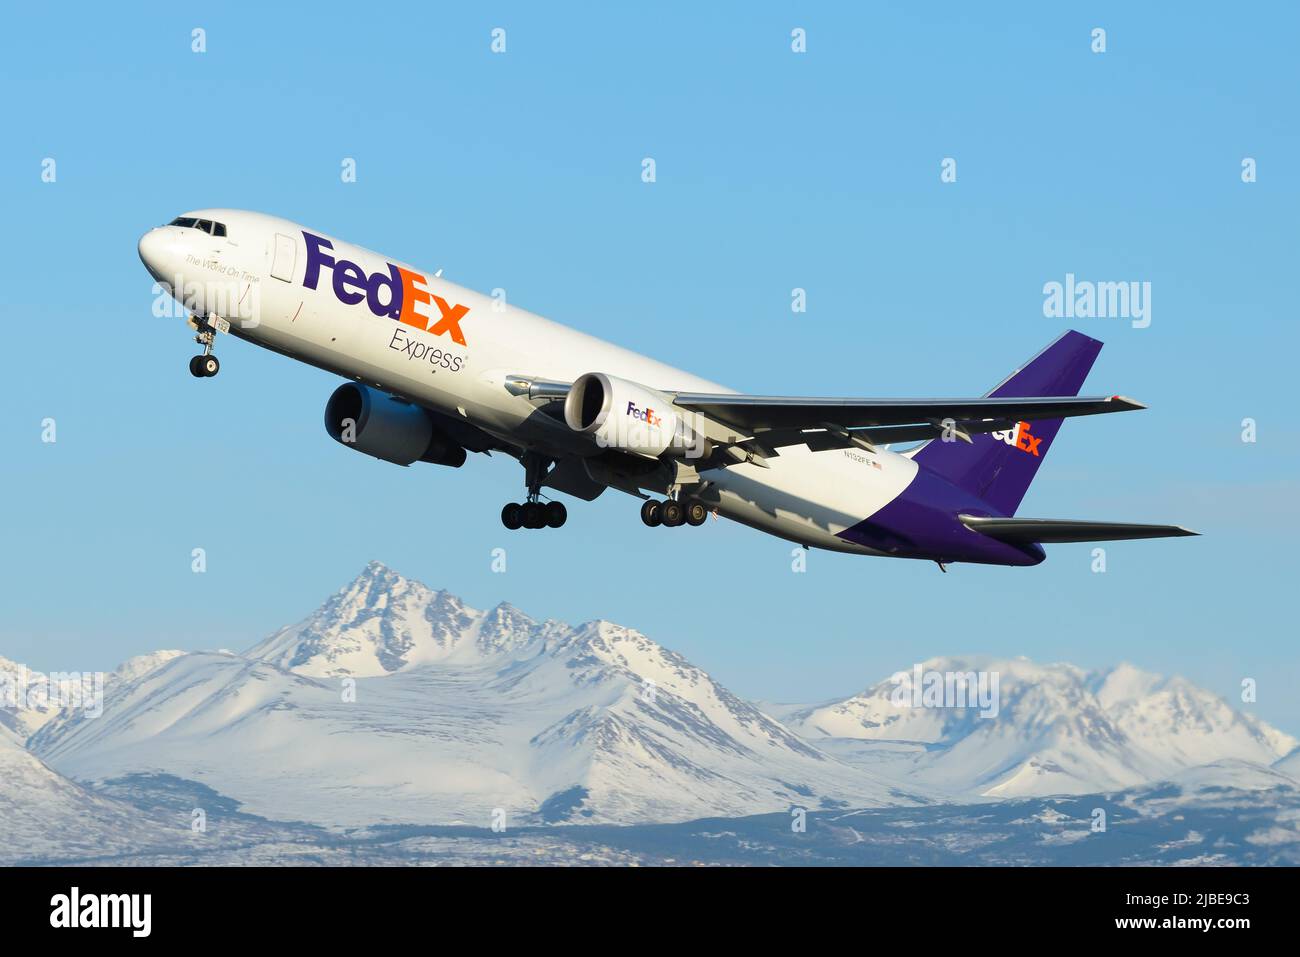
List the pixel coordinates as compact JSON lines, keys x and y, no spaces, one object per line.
{"x":398,"y":294}
{"x":1020,"y":438}
{"x":644,"y":415}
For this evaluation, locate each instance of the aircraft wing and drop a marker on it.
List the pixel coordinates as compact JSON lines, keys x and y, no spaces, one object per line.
{"x":753,"y":413}
{"x":1021,"y":531}
{"x":765,"y":423}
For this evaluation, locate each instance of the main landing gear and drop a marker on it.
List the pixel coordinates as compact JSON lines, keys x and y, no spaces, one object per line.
{"x":672,"y":513}
{"x":534,"y":513}
{"x":206,"y":365}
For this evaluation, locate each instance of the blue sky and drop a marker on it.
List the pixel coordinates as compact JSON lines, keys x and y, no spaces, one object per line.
{"x":774,"y":171}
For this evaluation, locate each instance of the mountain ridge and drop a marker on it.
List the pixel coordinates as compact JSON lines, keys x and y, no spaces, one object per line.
{"x":1074,"y":731}
{"x":457,"y":714}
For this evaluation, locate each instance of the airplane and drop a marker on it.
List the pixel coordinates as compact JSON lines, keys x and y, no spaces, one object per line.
{"x":437,"y":371}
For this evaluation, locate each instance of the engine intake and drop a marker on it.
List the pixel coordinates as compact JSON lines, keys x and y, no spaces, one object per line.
{"x":629,"y":417}
{"x":377,"y":424}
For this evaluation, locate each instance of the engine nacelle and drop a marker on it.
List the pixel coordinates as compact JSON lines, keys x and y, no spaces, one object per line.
{"x":629,"y":417}
{"x":379,"y":425}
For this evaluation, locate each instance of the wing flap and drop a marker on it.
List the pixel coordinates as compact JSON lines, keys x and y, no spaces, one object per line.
{"x":819,"y":440}
{"x":1046,"y":531}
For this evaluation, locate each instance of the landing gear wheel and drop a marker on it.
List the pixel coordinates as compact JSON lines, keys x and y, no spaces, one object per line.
{"x":209,"y":365}
{"x":696,"y":514}
{"x":534,"y":515}
{"x":556,"y":514}
{"x":672,"y":513}
{"x":650,"y":513}
{"x":512,"y":516}
{"x":194,"y":367}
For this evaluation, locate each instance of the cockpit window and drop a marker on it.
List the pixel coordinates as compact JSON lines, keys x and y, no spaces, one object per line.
{"x":207,"y":225}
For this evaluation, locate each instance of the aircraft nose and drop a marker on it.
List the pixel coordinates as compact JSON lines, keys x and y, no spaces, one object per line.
{"x":152,"y":247}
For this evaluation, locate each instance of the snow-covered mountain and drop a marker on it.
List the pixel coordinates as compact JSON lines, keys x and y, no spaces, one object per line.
{"x":1177,"y":722}
{"x":1057,"y":730}
{"x":29,"y":699}
{"x":43,"y":815}
{"x":25,"y":701}
{"x":382,"y":623}
{"x":140,"y":665}
{"x":396,"y":703}
{"x":1289,"y":763}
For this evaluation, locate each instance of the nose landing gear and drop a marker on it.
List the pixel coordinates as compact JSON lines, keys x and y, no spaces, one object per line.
{"x":203,"y":367}
{"x":207,"y":365}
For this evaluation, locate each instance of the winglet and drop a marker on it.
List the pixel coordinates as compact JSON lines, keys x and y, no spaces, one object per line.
{"x":1129,"y":404}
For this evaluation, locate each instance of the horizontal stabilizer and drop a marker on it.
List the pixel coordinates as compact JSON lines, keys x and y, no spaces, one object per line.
{"x":1045,"y":531}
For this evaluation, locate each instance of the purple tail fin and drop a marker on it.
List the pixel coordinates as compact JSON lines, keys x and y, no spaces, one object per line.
{"x":998,"y":467}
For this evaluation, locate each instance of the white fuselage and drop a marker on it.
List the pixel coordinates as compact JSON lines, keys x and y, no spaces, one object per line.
{"x":259,"y":272}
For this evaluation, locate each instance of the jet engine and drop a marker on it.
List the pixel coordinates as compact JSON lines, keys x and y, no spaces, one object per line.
{"x":377,"y":424}
{"x":629,"y":417}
